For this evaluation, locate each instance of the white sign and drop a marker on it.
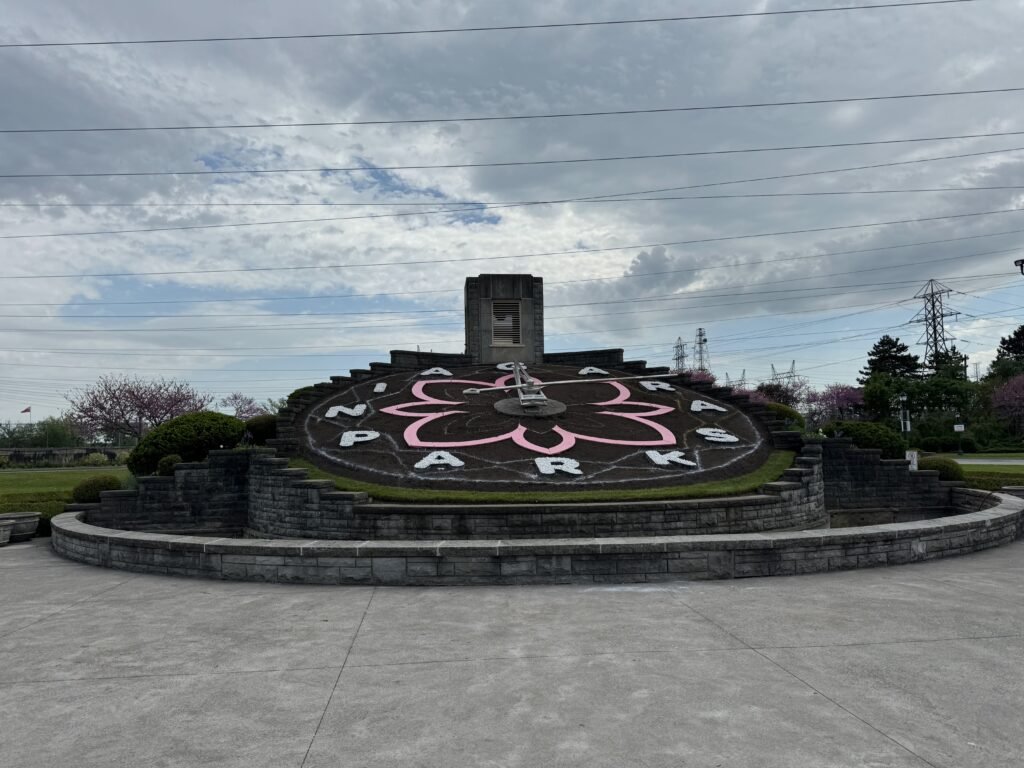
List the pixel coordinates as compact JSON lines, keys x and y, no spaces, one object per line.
{"x":958,"y":427}
{"x":912,"y":458}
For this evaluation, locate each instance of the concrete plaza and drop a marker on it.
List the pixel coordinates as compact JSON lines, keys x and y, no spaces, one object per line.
{"x":919,"y":665}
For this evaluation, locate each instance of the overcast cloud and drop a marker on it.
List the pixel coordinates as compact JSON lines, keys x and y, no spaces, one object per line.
{"x":763,"y":300}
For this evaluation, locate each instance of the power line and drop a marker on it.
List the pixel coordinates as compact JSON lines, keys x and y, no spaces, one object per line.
{"x":437,"y":261}
{"x":497,"y":164}
{"x":548,"y":283}
{"x":500,"y":28}
{"x":484,"y":207}
{"x":827,"y":291}
{"x":544,"y":116}
{"x":710,"y":293}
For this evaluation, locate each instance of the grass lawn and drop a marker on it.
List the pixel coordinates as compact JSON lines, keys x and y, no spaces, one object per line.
{"x":776,"y":464}
{"x":46,"y":491}
{"x":979,"y":456}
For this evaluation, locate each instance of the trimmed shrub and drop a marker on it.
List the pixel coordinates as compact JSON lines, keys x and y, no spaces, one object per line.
{"x":94,"y":460}
{"x":930,"y":444}
{"x":88,"y":491}
{"x":968,"y":444}
{"x":869,"y":434}
{"x":262,"y":428}
{"x":191,"y":436}
{"x":793,"y":418}
{"x":947,"y":468}
{"x":165,"y":467}
{"x":121,"y":457}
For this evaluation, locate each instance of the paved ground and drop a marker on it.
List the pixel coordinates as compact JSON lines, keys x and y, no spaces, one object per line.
{"x":915,"y":666}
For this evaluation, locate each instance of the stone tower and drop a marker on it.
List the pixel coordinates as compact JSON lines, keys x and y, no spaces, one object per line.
{"x":505,"y":318}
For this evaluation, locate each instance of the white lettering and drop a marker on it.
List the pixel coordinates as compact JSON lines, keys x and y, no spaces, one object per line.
{"x":509,"y":366}
{"x":591,"y":370}
{"x":550,"y":465}
{"x":436,"y":372}
{"x":348,"y":439}
{"x":716,"y":435}
{"x":656,"y":386}
{"x":703,"y":405}
{"x":355,"y":410}
{"x":438,"y":459}
{"x":382,"y":387}
{"x":669,"y":458}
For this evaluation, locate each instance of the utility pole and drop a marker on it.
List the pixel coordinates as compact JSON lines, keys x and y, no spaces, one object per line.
{"x":932,"y":316}
{"x":702,"y":358}
{"x":679,"y":355}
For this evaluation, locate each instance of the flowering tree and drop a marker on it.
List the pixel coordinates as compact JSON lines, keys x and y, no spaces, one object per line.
{"x":1009,"y":401}
{"x":788,"y":391}
{"x":699,"y":377}
{"x":836,"y":402}
{"x":117,"y":404}
{"x":244,"y":407}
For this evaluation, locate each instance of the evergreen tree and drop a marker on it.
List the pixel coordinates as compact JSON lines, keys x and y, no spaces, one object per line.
{"x":1012,"y":346}
{"x":949,"y":365}
{"x":893,"y":357}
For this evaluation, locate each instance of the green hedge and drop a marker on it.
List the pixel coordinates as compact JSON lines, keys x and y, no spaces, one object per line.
{"x":191,"y":436}
{"x":870,"y":434}
{"x":88,"y":491}
{"x":793,"y":418}
{"x":165,"y":467}
{"x":947,"y":468}
{"x":262,"y":428}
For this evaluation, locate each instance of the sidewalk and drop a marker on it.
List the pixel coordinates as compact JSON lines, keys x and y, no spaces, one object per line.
{"x":911,"y":666}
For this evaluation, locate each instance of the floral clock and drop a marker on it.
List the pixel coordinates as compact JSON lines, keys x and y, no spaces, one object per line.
{"x":510,"y":427}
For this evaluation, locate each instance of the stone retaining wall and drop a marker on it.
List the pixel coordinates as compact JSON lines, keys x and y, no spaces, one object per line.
{"x":284,"y":503}
{"x":861,"y":479}
{"x":997,"y":520}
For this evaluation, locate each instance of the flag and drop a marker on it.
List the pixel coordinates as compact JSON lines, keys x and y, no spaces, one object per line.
{"x":28,"y":410}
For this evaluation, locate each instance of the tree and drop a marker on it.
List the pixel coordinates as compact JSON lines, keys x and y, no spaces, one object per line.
{"x":836,"y":402}
{"x":1009,"y":401}
{"x":1011,"y":346}
{"x":119,"y":405}
{"x":1009,"y":360}
{"x":949,"y":365}
{"x":788,"y":391}
{"x":51,"y":432}
{"x":890,"y":356}
{"x":243,"y":406}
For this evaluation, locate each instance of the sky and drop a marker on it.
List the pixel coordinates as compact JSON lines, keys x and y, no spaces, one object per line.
{"x":346,"y":256}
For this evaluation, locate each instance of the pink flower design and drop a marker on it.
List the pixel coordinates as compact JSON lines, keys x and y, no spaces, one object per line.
{"x":415,"y":410}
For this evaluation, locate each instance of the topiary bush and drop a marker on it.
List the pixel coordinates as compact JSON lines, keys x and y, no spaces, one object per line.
{"x":947,"y":468}
{"x":793,"y":418}
{"x":930,"y":444}
{"x":165,"y":467}
{"x":88,"y":491}
{"x":191,"y":436}
{"x":262,"y":428}
{"x":870,"y":434}
{"x":94,"y":460}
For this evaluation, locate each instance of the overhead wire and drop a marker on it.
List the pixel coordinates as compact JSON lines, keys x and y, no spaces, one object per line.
{"x":492,"y":28}
{"x":515,"y":117}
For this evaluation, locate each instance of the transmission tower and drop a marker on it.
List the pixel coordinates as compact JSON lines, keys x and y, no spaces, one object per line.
{"x":932,"y":316}
{"x":701,"y":356}
{"x":679,"y":356}
{"x":788,"y":376}
{"x":740,"y":383}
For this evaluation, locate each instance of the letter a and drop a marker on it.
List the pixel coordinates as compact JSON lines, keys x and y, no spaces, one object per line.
{"x":438,"y":459}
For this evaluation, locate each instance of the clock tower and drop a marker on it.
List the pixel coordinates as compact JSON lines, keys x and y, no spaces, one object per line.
{"x":505,"y":318}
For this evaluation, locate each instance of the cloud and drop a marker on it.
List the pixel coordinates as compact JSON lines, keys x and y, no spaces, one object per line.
{"x":751,"y":293}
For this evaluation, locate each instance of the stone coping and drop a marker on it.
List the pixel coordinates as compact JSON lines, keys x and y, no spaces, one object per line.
{"x":651,"y":558}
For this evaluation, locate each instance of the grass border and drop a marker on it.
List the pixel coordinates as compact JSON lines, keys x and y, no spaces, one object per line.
{"x":776,"y":463}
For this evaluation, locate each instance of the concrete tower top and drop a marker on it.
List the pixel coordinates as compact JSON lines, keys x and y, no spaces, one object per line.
{"x":505,"y":318}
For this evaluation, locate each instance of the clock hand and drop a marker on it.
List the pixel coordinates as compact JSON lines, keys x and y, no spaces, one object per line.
{"x":540,"y":385}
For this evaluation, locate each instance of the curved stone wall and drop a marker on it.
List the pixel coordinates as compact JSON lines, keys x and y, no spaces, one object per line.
{"x":987,"y":520}
{"x":284,"y":503}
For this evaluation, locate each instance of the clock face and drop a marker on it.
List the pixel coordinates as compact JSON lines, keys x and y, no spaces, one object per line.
{"x":423,"y":429}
